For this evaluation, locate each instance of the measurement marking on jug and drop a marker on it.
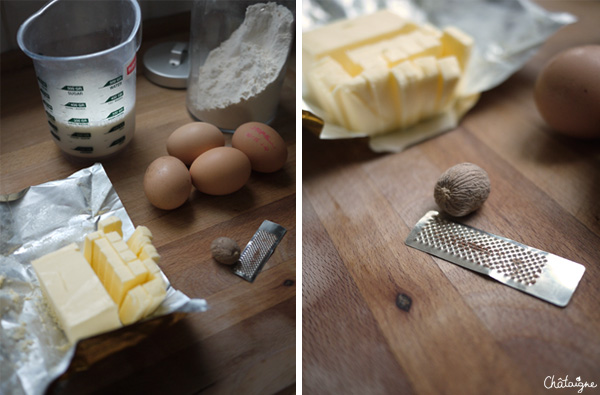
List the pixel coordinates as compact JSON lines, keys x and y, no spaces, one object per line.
{"x":50,"y":116}
{"x":56,"y":136}
{"x":118,"y":141}
{"x":76,"y":105}
{"x":79,"y":121}
{"x":45,"y":94}
{"x":48,"y":105}
{"x":85,"y":150}
{"x":113,"y":83}
{"x":73,"y":90}
{"x":116,"y":127}
{"x":42,"y":83}
{"x":81,"y":135}
{"x":116,"y":112}
{"x":114,"y":98}
{"x":53,"y":126}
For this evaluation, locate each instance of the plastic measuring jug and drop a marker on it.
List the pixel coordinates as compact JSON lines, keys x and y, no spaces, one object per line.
{"x":84,"y":54}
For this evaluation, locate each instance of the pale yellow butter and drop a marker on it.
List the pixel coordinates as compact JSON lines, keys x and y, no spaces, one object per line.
{"x":449,"y":70}
{"x":110,"y":224}
{"x":140,"y":237}
{"x":336,"y":38}
{"x":428,"y":96}
{"x":134,"y":305}
{"x":457,"y":43}
{"x":142,"y":300}
{"x":117,"y":282}
{"x":157,"y":290}
{"x":378,"y":72}
{"x":326,"y":75}
{"x":149,"y":251}
{"x":116,"y":276}
{"x":129,"y":271}
{"x":81,"y":304}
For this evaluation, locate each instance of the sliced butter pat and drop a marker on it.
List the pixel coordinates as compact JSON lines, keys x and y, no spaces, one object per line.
{"x":110,"y":224}
{"x":152,"y":267}
{"x":384,"y":95}
{"x":449,"y":70}
{"x":113,"y":237}
{"x":88,"y":245}
{"x":140,"y":237}
{"x":82,"y":306}
{"x":369,"y":56}
{"x":457,"y":43}
{"x":338,"y":37}
{"x":355,"y":98}
{"x":134,"y":305}
{"x":157,"y":290}
{"x":149,"y":252}
{"x":115,"y":275}
{"x":139,"y":271}
{"x":431,"y":30}
{"x":411,"y":46}
{"x":408,"y":79}
{"x":326,"y":75}
{"x":429,"y":86}
{"x":142,"y":300}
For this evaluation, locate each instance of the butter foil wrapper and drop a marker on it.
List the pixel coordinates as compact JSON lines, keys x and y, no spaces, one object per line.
{"x":507,"y":34}
{"x":34,"y":351}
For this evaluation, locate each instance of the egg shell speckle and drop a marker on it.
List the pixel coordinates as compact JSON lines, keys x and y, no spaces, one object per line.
{"x":262,"y":144}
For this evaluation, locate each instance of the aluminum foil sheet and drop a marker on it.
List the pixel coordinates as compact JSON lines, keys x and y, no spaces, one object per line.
{"x":506,"y":33}
{"x":40,"y":219}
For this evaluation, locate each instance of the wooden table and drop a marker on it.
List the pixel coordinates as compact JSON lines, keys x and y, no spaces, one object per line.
{"x":245,"y":342}
{"x":464,"y":333}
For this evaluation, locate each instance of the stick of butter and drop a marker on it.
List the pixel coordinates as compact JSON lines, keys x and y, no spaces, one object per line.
{"x":81,"y":305}
{"x":379,"y":72}
{"x":105,"y":285}
{"x":128,"y":270}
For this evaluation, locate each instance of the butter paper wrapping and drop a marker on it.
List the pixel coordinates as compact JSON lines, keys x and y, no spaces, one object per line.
{"x":506,"y":33}
{"x":40,"y":219}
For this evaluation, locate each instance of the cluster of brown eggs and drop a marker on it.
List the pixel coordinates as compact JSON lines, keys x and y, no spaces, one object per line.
{"x":198,"y":157}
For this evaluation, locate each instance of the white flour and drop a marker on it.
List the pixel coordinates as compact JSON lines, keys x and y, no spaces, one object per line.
{"x":241,"y":79}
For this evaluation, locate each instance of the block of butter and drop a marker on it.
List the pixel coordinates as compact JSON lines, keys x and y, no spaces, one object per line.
{"x":379,"y":72}
{"x":80,"y":303}
{"x":128,"y":270}
{"x":106,"y":285}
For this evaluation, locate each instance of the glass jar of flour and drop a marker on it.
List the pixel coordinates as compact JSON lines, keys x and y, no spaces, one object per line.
{"x":238,"y":52}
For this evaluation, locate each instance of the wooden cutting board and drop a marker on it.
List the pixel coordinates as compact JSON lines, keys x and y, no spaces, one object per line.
{"x":381,"y":317}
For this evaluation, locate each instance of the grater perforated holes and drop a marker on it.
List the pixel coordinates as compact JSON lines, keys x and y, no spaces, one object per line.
{"x":255,"y":252}
{"x":512,"y":261}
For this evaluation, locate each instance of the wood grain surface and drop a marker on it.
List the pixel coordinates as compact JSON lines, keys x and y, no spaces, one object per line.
{"x":245,"y":342}
{"x":462,"y":333}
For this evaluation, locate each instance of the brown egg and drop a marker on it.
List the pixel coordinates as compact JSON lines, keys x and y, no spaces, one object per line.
{"x":167,"y":183}
{"x":220,"y":171}
{"x":262,"y":144}
{"x":193,"y":139}
{"x":567,"y":92}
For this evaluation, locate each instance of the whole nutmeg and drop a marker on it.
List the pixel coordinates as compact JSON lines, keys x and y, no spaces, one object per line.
{"x":462,"y":189}
{"x":225,"y":250}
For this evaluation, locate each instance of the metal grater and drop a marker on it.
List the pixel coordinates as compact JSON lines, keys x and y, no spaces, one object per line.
{"x":538,"y":273}
{"x":258,"y":250}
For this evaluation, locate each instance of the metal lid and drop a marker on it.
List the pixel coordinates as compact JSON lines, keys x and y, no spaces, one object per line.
{"x":168,"y":64}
